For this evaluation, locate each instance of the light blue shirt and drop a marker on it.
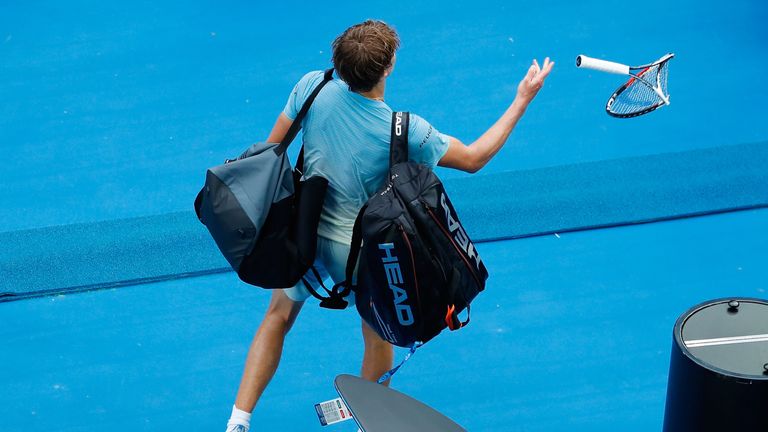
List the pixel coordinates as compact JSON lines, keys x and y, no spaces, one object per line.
{"x":346,"y":140}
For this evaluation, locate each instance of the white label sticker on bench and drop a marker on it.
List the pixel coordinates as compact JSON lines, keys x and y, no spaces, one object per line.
{"x":332,"y":411}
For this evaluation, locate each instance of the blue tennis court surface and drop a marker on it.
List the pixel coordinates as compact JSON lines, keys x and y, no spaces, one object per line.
{"x":597,"y":232}
{"x":572,"y":333}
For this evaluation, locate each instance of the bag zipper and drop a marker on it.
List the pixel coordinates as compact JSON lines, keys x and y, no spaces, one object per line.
{"x":413,"y":264}
{"x":453,"y":242}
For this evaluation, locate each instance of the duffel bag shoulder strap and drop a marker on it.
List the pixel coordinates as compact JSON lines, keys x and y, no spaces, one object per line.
{"x":398,"y":141}
{"x":289,"y":136}
{"x":296,"y":125}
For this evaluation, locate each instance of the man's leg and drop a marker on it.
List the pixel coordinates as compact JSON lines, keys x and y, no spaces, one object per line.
{"x":377,"y":358}
{"x":266,"y":348}
{"x":378,"y":355}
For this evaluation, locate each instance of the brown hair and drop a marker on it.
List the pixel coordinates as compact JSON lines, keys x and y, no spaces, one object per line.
{"x":363,"y":52}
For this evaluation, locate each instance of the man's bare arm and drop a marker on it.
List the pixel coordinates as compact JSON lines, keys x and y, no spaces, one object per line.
{"x":473,"y":157}
{"x":280,"y":128}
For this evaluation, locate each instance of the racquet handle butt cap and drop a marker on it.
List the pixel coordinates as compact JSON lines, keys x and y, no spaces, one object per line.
{"x":583,"y":61}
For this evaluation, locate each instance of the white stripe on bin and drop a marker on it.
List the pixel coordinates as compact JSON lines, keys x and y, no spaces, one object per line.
{"x":726,"y":341}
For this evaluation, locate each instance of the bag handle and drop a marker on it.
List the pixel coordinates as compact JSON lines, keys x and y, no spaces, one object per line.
{"x":452,"y":318}
{"x":398,"y":141}
{"x":296,"y":125}
{"x":354,"y":253}
{"x":335,"y":299}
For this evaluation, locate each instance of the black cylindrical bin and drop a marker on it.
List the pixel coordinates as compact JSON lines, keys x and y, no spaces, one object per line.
{"x":718,"y":375}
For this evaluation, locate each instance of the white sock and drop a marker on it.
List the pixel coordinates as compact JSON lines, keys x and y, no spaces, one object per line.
{"x":239,"y":417}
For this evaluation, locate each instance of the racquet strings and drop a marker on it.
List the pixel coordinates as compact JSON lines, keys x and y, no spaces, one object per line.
{"x":637,"y":96}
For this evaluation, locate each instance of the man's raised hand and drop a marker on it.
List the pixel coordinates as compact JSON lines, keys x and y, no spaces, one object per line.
{"x":534,"y":80}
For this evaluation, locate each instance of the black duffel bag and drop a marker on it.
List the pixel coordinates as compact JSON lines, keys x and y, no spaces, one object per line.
{"x":417,"y":268}
{"x":263,"y":215}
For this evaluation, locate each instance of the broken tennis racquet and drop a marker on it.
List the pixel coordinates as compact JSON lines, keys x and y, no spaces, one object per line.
{"x":645,"y":91}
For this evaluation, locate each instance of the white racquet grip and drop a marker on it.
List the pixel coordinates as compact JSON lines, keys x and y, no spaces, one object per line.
{"x":583,"y":61}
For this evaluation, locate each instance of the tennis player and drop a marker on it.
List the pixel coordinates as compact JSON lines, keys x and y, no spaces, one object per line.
{"x":346,"y":140}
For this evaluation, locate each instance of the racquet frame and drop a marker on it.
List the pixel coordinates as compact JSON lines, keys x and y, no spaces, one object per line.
{"x":635,"y":73}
